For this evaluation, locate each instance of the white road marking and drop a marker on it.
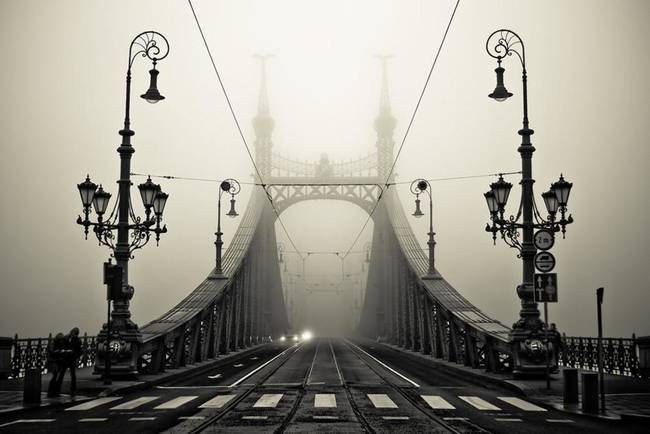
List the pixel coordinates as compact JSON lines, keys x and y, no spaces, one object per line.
{"x":217,"y":402}
{"x":255,"y":417}
{"x":560,"y":420}
{"x":325,"y":417}
{"x":260,"y":367}
{"x":94,"y":403}
{"x":479,"y":403}
{"x":380,"y":400}
{"x":455,"y":418}
{"x":507,"y":419}
{"x":28,"y":421}
{"x":268,"y":400}
{"x":384,"y":365}
{"x":212,"y":377}
{"x":175,"y":403}
{"x":93,"y":419}
{"x":395,"y":418}
{"x":142,"y":419}
{"x":130,"y":405}
{"x":521,"y":404}
{"x":192,"y":417}
{"x":437,"y":402}
{"x":190,"y":387}
{"x":238,"y":365}
{"x":325,"y":400}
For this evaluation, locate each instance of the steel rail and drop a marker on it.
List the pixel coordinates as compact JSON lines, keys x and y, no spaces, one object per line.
{"x":406,"y":396}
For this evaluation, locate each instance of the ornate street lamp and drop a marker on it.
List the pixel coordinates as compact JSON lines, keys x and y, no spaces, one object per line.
{"x":231,"y":187}
{"x":418,"y":187}
{"x":120,"y":334}
{"x":527,"y":330}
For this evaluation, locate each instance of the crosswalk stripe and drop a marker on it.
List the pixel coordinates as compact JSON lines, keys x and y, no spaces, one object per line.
{"x":141,"y":419}
{"x":521,"y":404}
{"x":26,"y":421}
{"x":218,"y":401}
{"x":479,"y":403}
{"x":437,"y":402}
{"x":325,"y":400}
{"x":93,"y":419}
{"x":130,"y":405}
{"x":255,"y":417}
{"x":175,"y":403}
{"x":507,"y":419}
{"x":380,"y":400}
{"x":268,"y":400}
{"x":94,"y":403}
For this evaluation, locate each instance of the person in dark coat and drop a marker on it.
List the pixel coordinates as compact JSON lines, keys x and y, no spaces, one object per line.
{"x":75,"y":352}
{"x":56,"y":363}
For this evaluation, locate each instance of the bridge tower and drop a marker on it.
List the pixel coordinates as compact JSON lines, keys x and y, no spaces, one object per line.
{"x":263,"y":123}
{"x":384,"y":124}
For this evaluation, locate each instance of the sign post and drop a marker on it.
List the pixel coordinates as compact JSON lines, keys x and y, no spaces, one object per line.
{"x":548,"y":363}
{"x":601,"y":376}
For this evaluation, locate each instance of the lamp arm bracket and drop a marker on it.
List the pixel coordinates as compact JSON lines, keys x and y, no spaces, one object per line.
{"x":150,"y":44}
{"x":504,"y":42}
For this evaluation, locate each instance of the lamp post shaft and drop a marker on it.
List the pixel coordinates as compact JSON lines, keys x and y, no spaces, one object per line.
{"x":432,"y":242}
{"x":529,"y":313}
{"x":218,"y":243}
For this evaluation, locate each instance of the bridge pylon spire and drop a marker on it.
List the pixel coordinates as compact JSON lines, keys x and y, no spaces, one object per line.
{"x":263,"y":122}
{"x":384,"y":122}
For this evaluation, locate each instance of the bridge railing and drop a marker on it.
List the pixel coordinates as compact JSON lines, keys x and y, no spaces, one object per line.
{"x":31,"y":353}
{"x":621,"y":355}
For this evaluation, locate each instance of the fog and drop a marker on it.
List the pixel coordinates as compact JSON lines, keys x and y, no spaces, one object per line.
{"x":62,"y":83}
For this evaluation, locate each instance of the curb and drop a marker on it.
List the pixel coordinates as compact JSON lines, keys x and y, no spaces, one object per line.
{"x":635,"y":417}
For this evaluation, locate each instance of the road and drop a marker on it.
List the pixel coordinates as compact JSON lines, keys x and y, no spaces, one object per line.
{"x":321,"y":385}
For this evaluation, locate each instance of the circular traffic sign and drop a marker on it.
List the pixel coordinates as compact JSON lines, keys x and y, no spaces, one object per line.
{"x":544,"y":239}
{"x":544,"y":262}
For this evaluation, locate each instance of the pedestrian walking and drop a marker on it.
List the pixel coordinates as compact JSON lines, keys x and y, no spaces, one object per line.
{"x":558,"y":344}
{"x":56,"y":364}
{"x":74,"y":344}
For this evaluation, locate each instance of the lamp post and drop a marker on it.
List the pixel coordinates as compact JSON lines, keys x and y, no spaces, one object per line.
{"x":121,"y":335}
{"x":231,"y":187}
{"x":526,"y":332}
{"x":418,"y":187}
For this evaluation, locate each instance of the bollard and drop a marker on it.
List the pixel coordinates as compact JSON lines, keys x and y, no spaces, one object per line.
{"x":590,"y":392}
{"x":570,"y":376}
{"x":32,"y":386}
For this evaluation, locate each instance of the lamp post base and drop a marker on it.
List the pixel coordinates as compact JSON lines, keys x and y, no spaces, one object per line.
{"x":529,"y":353}
{"x":124,"y":353}
{"x":217,"y":276}
{"x":431,"y":276}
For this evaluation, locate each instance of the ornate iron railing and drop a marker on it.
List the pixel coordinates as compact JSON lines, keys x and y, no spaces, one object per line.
{"x":621,"y":355}
{"x":28,"y":353}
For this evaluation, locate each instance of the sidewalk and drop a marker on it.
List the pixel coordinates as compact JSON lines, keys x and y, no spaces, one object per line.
{"x":90,"y":386}
{"x":625,"y":397}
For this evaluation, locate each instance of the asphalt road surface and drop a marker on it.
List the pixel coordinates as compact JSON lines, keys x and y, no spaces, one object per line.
{"x":320,"y":385}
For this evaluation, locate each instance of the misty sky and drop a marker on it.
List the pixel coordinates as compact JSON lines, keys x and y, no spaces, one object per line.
{"x":62,"y":83}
